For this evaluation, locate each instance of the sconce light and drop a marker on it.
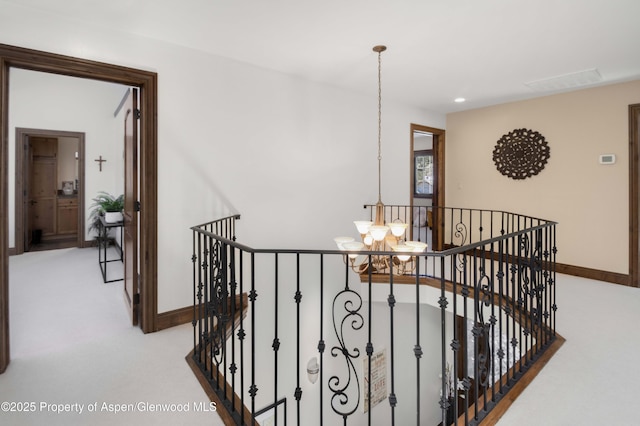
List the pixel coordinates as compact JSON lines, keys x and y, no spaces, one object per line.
{"x":313,"y":369}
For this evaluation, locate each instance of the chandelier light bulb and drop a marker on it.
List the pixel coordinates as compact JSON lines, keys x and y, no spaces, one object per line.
{"x":418,"y":246}
{"x":340,"y":241}
{"x":378,"y":232}
{"x":401,"y":248}
{"x":353,"y":246}
{"x":368,"y":240}
{"x":363,"y":226}
{"x":398,"y":228}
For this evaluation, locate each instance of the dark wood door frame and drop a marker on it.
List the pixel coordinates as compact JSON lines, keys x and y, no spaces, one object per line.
{"x":634,"y":195}
{"x":438,"y":160}
{"x":21,"y":138}
{"x":17,"y":57}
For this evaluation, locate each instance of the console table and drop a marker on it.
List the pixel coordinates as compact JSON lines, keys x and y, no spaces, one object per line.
{"x":103,"y":245}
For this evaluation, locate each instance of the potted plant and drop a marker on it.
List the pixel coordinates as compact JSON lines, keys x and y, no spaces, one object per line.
{"x":108,"y":206}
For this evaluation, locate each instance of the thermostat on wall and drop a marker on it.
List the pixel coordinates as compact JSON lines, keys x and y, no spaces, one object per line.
{"x":607,"y":159}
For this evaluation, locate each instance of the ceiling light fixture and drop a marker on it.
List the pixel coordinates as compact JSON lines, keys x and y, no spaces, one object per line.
{"x":459,"y":100}
{"x":374,"y":234}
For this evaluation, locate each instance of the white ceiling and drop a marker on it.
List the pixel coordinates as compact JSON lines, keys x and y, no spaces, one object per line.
{"x":482,"y":50}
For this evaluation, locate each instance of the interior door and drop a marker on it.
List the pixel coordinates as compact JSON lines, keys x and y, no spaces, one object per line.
{"x":43,"y":186}
{"x":130,"y":213}
{"x":26,"y":194}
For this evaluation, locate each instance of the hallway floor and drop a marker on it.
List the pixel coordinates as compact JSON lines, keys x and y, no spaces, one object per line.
{"x":593,"y":378}
{"x":72,"y":342}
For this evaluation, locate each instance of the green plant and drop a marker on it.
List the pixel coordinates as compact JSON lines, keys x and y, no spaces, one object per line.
{"x":104,"y":202}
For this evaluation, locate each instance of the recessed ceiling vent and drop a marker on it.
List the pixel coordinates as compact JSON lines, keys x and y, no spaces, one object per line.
{"x":567,"y":81}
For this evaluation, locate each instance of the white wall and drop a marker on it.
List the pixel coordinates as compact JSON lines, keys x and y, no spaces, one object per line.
{"x":67,"y":162}
{"x":296,"y":159}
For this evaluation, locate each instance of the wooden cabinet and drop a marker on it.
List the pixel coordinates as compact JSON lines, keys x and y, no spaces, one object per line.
{"x":53,"y":214}
{"x":67,"y":215}
{"x":44,"y":148}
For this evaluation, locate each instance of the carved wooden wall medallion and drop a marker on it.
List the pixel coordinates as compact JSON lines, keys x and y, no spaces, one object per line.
{"x":521,"y":153}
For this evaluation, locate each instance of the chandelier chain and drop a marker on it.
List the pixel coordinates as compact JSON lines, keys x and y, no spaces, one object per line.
{"x":379,"y":126}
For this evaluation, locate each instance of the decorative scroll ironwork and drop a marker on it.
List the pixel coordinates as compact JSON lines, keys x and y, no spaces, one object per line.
{"x":529,"y":267}
{"x":460,"y":234}
{"x":218,"y":301}
{"x":481,"y":330}
{"x":346,"y":313}
{"x":460,"y":239}
{"x":521,"y":153}
{"x":486,"y":348}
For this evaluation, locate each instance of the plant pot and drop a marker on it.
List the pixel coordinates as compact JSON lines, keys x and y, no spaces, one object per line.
{"x":113,"y":217}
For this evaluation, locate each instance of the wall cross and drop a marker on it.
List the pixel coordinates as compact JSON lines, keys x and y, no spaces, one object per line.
{"x":100,"y":161}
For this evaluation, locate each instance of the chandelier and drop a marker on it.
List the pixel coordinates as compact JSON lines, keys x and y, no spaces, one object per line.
{"x":379,"y":235}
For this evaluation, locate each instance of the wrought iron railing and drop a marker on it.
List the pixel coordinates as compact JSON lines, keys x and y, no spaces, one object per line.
{"x":446,"y":341}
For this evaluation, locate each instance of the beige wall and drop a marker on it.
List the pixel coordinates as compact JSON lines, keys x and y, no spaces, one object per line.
{"x":589,"y":200}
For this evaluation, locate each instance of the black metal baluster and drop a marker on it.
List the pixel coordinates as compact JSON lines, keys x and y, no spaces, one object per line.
{"x":222,"y":282}
{"x":501,"y":312}
{"x":233,"y":367}
{"x":369,"y":348}
{"x":455,"y":347}
{"x":194,"y":282}
{"x":206,"y":278}
{"x":321,"y":343}
{"x":417,"y":350}
{"x":298,"y":299}
{"x":241,"y":336}
{"x":465,"y":334}
{"x":476,"y":336}
{"x":492,"y":321}
{"x":553,"y":304}
{"x":276,"y":341}
{"x":393,"y":400}
{"x":253,"y":389}
{"x":547,"y":271}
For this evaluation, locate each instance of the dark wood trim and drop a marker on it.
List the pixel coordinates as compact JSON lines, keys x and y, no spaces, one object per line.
{"x":4,"y":215}
{"x":147,"y":82}
{"x":176,"y":317}
{"x":148,"y":220}
{"x":593,"y":274}
{"x":503,"y":405}
{"x":634,"y":195}
{"x":221,"y":409}
{"x":21,"y":134}
{"x":206,"y":379}
{"x":226,"y":417}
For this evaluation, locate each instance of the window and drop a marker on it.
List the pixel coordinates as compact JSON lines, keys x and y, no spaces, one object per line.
{"x":423,"y":174}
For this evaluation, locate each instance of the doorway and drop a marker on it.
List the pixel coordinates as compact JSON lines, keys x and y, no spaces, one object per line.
{"x":427,"y":182}
{"x":49,"y":190}
{"x":634,"y":195}
{"x":11,"y":56}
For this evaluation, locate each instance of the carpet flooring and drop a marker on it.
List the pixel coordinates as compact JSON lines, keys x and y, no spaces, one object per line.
{"x":77,"y":360}
{"x":73,"y":347}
